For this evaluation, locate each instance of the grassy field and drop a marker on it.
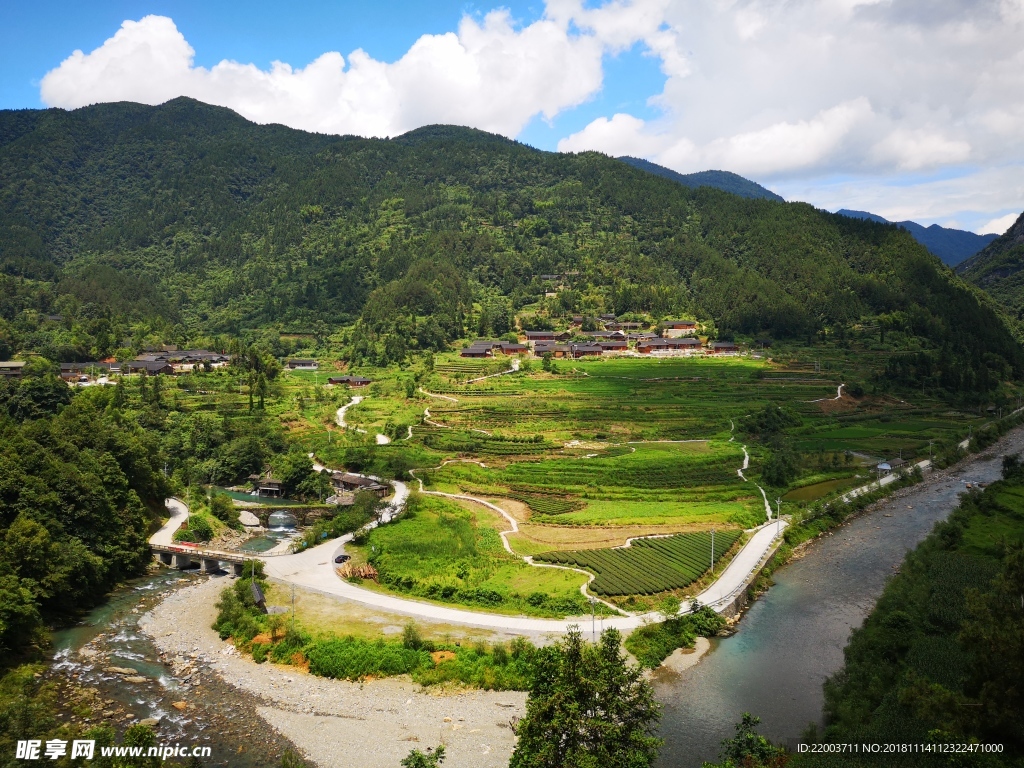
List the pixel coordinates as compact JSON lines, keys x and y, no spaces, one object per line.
{"x":447,"y":552}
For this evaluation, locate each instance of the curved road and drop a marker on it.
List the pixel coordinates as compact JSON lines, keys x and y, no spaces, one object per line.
{"x":314,"y":569}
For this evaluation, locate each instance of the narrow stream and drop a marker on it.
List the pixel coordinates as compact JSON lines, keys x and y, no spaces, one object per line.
{"x":792,"y":638}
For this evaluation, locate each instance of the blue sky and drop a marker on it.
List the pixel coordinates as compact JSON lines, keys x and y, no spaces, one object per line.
{"x":906,"y":112}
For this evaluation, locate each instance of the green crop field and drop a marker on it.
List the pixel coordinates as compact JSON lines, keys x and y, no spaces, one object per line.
{"x":648,"y":566}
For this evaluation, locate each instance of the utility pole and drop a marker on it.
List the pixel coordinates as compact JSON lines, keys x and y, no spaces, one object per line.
{"x":293,"y":607}
{"x":712,"y":551}
{"x":593,"y":620}
{"x":778,"y":516}
{"x":931,"y":455}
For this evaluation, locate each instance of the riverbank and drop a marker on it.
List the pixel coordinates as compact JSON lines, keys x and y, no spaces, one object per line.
{"x":337,"y":723}
{"x":791,"y":638}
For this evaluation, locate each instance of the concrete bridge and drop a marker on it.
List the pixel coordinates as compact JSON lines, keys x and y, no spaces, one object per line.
{"x":182,"y":556}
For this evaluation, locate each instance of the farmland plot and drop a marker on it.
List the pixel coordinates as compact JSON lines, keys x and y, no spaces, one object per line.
{"x":649,"y":566}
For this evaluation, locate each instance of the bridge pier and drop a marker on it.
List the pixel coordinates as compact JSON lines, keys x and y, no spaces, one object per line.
{"x":209,"y":565}
{"x":182,"y":561}
{"x":237,"y":569}
{"x":164,"y":558}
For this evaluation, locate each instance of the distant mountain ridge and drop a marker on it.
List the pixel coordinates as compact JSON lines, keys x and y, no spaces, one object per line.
{"x":951,"y":245}
{"x":723,"y":180}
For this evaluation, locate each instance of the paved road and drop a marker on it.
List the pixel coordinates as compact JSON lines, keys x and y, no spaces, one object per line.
{"x":178,"y":513}
{"x":890,"y":478}
{"x":314,"y":569}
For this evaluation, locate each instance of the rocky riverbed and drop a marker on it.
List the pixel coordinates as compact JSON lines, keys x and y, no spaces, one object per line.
{"x":333,"y":722}
{"x":109,"y":672}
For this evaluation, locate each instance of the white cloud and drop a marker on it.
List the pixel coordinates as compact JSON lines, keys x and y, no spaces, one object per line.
{"x":490,"y":74}
{"x":1000,"y":225}
{"x":886,"y":94}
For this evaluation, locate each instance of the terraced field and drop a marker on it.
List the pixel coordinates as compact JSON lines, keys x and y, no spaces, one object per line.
{"x":649,"y":566}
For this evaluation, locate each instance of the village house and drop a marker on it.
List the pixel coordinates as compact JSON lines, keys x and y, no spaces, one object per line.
{"x":535,"y":336}
{"x":480,"y":348}
{"x":550,"y":347}
{"x":673,"y":329}
{"x":723,"y":348}
{"x":351,"y":483}
{"x":299,"y":364}
{"x":624,"y":326}
{"x":352,"y":381}
{"x":11,"y":369}
{"x":617,"y":335}
{"x":586,"y":350}
{"x":647,"y":346}
{"x":148,"y":367}
{"x":613,"y":345}
{"x":75,"y":371}
{"x":510,"y":348}
{"x":267,"y":485}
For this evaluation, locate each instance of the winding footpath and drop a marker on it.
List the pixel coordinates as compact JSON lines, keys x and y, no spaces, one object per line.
{"x":340,"y":417}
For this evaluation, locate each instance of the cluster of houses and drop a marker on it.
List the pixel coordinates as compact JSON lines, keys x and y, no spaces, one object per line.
{"x":676,"y":337}
{"x":168,"y":360}
{"x":487,"y":348}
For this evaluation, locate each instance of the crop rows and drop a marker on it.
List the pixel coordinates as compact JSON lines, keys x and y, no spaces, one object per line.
{"x":649,"y":566}
{"x":544,"y":504}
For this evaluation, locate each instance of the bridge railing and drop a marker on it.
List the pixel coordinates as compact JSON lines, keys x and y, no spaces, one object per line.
{"x":210,"y":554}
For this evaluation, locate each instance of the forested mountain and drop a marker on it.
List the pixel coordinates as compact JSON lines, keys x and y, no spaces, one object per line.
{"x":727,"y":181}
{"x":189,"y":219}
{"x":998,"y":268}
{"x":951,"y":245}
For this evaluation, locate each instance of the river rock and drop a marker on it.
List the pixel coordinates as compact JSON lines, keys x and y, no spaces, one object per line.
{"x":180,"y":705}
{"x":121,"y":670}
{"x":150,"y":722}
{"x":136,"y":679}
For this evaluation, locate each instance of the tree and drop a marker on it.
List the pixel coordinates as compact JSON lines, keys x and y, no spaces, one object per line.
{"x":994,"y":632}
{"x":429,"y":759}
{"x":587,"y":708}
{"x":224,"y":509}
{"x":750,"y":749}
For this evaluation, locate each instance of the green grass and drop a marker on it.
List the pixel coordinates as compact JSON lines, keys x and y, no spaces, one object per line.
{"x":440,"y":551}
{"x":661,"y":512}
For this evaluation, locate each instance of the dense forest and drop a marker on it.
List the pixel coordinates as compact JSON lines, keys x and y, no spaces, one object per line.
{"x":998,"y":269}
{"x":121,"y":222}
{"x":78,"y":486}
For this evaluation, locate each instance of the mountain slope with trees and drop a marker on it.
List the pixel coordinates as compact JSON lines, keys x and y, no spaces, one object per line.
{"x":998,"y":269}
{"x":186,"y":220}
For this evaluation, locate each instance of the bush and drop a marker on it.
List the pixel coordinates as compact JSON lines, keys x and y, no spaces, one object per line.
{"x":653,"y":643}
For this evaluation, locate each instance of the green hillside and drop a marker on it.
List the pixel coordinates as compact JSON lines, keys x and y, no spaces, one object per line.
{"x":185,"y":220}
{"x":998,"y":269}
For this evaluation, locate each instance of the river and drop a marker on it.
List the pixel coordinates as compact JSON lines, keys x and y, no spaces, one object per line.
{"x":792,"y":638}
